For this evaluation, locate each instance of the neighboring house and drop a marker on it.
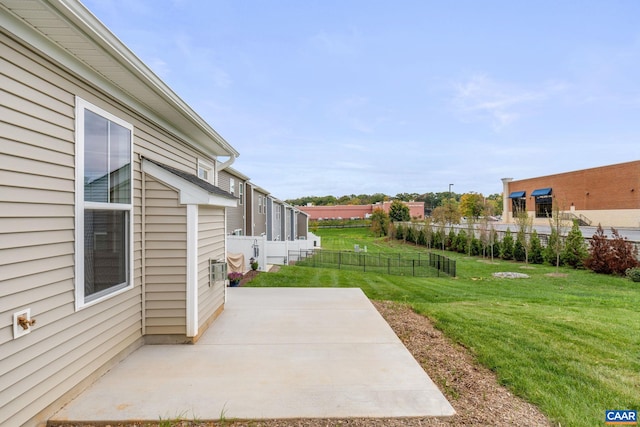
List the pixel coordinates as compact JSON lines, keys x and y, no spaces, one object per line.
{"x":110,"y":219}
{"x":235,"y":183}
{"x":256,"y":200}
{"x":607,"y":195}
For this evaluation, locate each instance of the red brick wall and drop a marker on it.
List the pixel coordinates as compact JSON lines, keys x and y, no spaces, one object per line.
{"x":602,"y":188}
{"x":342,"y":211}
{"x":416,"y":210}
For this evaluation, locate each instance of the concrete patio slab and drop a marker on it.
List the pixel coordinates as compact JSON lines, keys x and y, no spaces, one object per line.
{"x":273,"y":353}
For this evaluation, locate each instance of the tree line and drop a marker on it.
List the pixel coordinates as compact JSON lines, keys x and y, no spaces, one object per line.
{"x":469,"y":204}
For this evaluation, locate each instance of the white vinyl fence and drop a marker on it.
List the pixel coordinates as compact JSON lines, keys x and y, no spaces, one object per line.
{"x":267,"y":252}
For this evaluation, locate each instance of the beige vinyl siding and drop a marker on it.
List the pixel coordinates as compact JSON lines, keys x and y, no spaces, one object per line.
{"x":211,"y":245}
{"x":165,"y":261}
{"x":37,"y":210}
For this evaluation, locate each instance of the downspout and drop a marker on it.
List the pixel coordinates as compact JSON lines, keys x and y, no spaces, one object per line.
{"x":228,"y":163}
{"x":143,"y":261}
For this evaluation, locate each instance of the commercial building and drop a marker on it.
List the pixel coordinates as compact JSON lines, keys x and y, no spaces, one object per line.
{"x":606,"y":195}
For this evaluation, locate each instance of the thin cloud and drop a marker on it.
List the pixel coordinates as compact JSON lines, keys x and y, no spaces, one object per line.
{"x":483,"y":99}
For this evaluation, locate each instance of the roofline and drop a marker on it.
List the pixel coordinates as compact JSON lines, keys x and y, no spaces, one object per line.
{"x":79,"y":17}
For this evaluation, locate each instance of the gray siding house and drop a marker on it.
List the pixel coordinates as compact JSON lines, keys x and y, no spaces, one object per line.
{"x":110,"y":220}
{"x":235,"y":183}
{"x":256,"y":210}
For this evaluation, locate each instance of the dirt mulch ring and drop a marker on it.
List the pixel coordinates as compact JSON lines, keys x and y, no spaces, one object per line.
{"x":472,"y":389}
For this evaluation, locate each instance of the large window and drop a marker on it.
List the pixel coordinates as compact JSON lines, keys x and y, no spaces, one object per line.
{"x":544,"y":207}
{"x":544,"y":202}
{"x":103,"y":203}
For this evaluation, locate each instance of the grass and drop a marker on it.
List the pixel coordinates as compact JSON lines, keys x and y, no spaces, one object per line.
{"x":570,"y":344}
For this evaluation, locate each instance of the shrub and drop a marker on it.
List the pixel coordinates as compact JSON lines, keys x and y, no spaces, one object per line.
{"x":507,"y":246}
{"x":552,"y":252}
{"x":410,"y":235}
{"x":519,"y":251}
{"x":613,"y":256}
{"x":461,"y":242}
{"x":476,"y":246}
{"x":633,"y":274}
{"x":535,"y":250}
{"x":450,"y":242}
{"x":379,"y":222}
{"x":422,"y":238}
{"x":575,"y":251}
{"x":400,"y":232}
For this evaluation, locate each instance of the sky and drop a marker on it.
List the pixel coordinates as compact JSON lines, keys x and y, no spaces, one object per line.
{"x":341,"y":97}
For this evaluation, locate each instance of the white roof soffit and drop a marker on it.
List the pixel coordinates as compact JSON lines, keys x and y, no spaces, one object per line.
{"x":69,"y":33}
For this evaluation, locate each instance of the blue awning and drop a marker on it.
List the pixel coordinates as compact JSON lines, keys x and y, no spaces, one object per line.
{"x":517,"y":194}
{"x":541,"y":192}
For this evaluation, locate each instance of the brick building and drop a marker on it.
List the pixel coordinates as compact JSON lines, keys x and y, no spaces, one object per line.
{"x":606,"y":195}
{"x":416,"y":210}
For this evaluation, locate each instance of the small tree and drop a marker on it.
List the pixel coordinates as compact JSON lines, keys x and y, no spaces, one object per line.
{"x":519,"y":251}
{"x":525,"y":225}
{"x":410,"y":235}
{"x":558,"y":227}
{"x":461,"y":242}
{"x":507,"y":246}
{"x":575,"y":250}
{"x":552,"y":251}
{"x":400,"y":232}
{"x":398,"y":211}
{"x":535,"y":249}
{"x":451,"y":239}
{"x":379,"y":222}
{"x":422,"y":237}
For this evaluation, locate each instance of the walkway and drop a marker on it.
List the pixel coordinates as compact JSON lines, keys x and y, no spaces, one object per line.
{"x":273,"y":353}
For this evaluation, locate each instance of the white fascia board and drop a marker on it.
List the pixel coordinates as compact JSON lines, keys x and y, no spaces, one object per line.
{"x":190,"y":194}
{"x":76,"y":14}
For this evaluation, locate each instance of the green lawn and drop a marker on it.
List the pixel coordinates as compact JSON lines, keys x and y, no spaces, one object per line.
{"x":570,"y":345}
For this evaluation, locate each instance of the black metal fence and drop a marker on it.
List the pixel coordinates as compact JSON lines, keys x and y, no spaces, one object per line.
{"x":419,"y":265}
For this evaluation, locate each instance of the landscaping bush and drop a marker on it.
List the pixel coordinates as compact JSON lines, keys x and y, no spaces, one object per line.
{"x":553,"y":250}
{"x":422,"y":237}
{"x":410,"y":235}
{"x":613,"y":256}
{"x":633,"y":274}
{"x":519,"y":250}
{"x":476,"y":246}
{"x":400,"y":232}
{"x":506,"y":246}
{"x":461,"y":242}
{"x":575,"y":250}
{"x":535,"y":250}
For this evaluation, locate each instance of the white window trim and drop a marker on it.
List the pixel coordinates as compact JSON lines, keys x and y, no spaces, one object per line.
{"x":232,"y":186}
{"x":81,"y":205}
{"x":241,"y":192}
{"x":208,"y":166}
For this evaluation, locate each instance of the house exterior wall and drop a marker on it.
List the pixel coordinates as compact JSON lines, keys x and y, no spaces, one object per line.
{"x":211,"y":246}
{"x":608,"y":195}
{"x":236,"y":215}
{"x":67,"y":348}
{"x":249,"y":204}
{"x":259,"y":213}
{"x":165,"y":263}
{"x":303,"y":224}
